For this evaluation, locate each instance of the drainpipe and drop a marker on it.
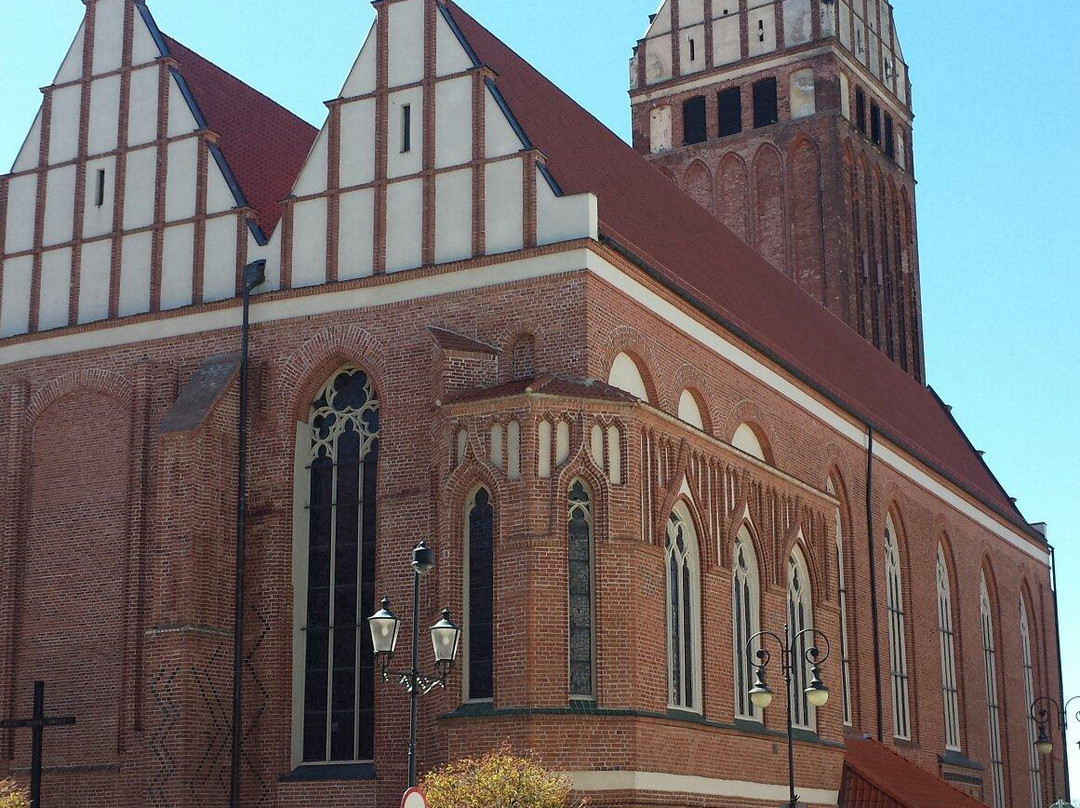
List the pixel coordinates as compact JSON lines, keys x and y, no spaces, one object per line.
{"x":1061,"y":674}
{"x":875,"y":622}
{"x":254,"y":276}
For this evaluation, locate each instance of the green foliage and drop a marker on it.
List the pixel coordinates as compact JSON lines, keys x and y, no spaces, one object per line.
{"x":11,"y":796}
{"x":500,"y":779}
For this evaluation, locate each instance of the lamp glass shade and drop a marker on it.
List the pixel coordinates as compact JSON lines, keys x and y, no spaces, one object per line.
{"x":817,"y":694}
{"x":445,"y":636}
{"x":1044,"y":746}
{"x":423,"y":558}
{"x":384,"y":626}
{"x":761,"y":697}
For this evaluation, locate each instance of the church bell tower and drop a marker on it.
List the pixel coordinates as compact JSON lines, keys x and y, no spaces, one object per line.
{"x":791,"y":121}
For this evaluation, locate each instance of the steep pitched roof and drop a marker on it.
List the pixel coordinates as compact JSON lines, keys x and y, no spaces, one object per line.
{"x":648,"y":218}
{"x":263,"y":144}
{"x":877,"y":777}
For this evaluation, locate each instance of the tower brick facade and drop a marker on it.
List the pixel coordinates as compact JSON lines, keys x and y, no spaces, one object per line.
{"x":791,"y":122}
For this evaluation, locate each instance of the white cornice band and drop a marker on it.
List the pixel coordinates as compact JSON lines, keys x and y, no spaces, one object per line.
{"x":697,"y":786}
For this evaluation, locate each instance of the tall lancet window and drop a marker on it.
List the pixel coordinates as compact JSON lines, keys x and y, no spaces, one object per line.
{"x":898,"y":666}
{"x":993,"y":706}
{"x":336,"y":592}
{"x":842,"y":599}
{"x":1034,"y":768}
{"x":800,"y":618}
{"x":580,"y":576}
{"x":949,"y":691}
{"x":684,"y":630}
{"x":746,"y":608}
{"x":480,"y":598}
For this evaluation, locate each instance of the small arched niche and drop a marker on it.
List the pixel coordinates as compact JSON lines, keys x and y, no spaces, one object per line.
{"x":626,"y":375}
{"x":690,"y":410}
{"x":746,"y":438}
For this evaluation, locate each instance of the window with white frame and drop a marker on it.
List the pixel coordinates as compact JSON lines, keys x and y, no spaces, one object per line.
{"x":898,"y":667}
{"x":335,"y":576}
{"x":684,"y":631}
{"x":746,"y":608}
{"x":800,"y":618}
{"x":480,"y":598}
{"x":841,"y":586}
{"x":993,"y":707}
{"x":947,"y":640}
{"x":1034,"y":768}
{"x":580,"y":576}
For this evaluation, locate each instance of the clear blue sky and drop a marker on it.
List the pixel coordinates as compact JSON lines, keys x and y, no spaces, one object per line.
{"x":997,"y":98}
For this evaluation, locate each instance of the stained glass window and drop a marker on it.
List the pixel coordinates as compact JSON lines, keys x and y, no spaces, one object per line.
{"x":898,"y":668}
{"x":946,"y":632}
{"x":800,"y":618}
{"x":681,"y":551}
{"x":993,"y":705}
{"x":481,"y":597}
{"x":580,"y":573}
{"x":747,"y":623}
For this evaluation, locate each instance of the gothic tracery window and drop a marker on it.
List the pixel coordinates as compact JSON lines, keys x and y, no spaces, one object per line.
{"x":947,"y":637}
{"x":800,"y":618}
{"x":746,"y":594}
{"x":842,"y":593}
{"x":580,"y":575}
{"x":993,"y":705}
{"x":1034,"y":765}
{"x":682,"y":606}
{"x":480,"y":596}
{"x":898,"y":664}
{"x":338,"y":590}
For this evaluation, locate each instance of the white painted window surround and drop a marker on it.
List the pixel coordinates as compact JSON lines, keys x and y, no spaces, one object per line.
{"x":842,"y":599}
{"x":746,"y":619}
{"x":683,"y":612}
{"x":800,"y":604}
{"x":946,"y":633}
{"x":1034,"y":765}
{"x":993,"y":704}
{"x":898,"y":664}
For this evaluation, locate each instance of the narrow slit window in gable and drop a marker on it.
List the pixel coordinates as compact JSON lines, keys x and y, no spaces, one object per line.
{"x":406,"y":128}
{"x":99,"y":192}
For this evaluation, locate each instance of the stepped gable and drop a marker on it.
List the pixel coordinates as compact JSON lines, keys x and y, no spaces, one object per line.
{"x":877,"y":777}
{"x":645,"y":214}
{"x":264,"y":144}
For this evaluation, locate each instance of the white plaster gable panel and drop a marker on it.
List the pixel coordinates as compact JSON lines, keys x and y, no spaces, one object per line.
{"x":803,"y":95}
{"x":357,"y":143}
{"x":55,"y":289}
{"x":30,"y":154}
{"x":501,"y":137}
{"x":361,"y":79}
{"x":142,"y":117}
{"x":875,"y":55}
{"x":312,"y":179}
{"x":181,"y":119}
{"x":22,"y":204}
{"x":15,"y":296}
{"x":404,"y":225}
{"x":660,"y":129}
{"x":845,"y":96}
{"x":450,"y":56}
{"x":845,"y":25}
{"x":180,"y":181}
{"x":143,"y":47}
{"x":64,"y":127}
{"x":309,"y":243}
{"x":178,"y":261}
{"x":453,"y":122}
{"x":692,"y":49}
{"x":219,"y":272}
{"x":139,"y":188}
{"x":661,"y":23}
{"x":727,"y":40}
{"x":406,"y":42}
{"x":658,"y":59}
{"x":691,"y":12}
{"x":798,"y":22}
{"x":453,"y":216}
{"x":219,"y":196}
{"x":135,"y":274}
{"x":356,"y":234}
{"x":561,"y":218}
{"x":94,"y":272}
{"x":71,"y":69}
{"x":104,"y":115}
{"x":98,"y":219}
{"x":108,"y":35}
{"x":406,"y":148}
{"x":59,"y":206}
{"x":272,"y":253}
{"x":829,"y":12}
{"x":505,"y":223}
{"x":762,"y":30}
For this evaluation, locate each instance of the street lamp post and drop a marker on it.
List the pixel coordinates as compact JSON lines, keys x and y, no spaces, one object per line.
{"x":1043,"y":718}
{"x":445,"y":636}
{"x":817,"y":694}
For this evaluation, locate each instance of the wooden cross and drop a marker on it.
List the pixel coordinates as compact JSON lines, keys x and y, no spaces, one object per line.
{"x":38,"y":724}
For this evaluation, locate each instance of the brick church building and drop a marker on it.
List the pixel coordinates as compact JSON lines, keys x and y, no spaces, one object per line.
{"x":644,"y":402}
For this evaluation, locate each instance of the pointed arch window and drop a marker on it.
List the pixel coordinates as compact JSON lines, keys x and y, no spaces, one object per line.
{"x":1034,"y":767}
{"x":800,"y":618}
{"x":335,"y":572}
{"x":746,"y":615}
{"x":582,"y":606}
{"x":842,"y":595}
{"x":949,"y":690}
{"x":480,"y":598}
{"x":898,"y":664}
{"x":993,"y":706}
{"x":684,"y":632}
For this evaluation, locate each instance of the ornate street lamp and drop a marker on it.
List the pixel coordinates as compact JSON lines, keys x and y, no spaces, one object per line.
{"x":817,"y":694}
{"x":445,"y":636}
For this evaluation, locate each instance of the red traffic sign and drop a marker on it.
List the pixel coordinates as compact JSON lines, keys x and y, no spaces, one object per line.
{"x":414,"y":798}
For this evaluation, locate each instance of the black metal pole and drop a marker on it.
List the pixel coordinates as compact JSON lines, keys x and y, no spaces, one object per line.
{"x":785,"y":661}
{"x":254,"y":275}
{"x":37,"y":744}
{"x":414,"y":691}
{"x":874,"y":619}
{"x":1061,"y":678}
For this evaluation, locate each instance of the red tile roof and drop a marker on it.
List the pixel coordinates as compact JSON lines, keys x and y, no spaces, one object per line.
{"x":453,"y":341}
{"x":877,"y":777}
{"x":645,"y":215}
{"x":264,"y":144}
{"x":549,"y":385}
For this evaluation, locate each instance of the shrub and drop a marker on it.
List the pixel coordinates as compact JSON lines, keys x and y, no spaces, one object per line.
{"x":500,"y":779}
{"x":11,"y":796}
